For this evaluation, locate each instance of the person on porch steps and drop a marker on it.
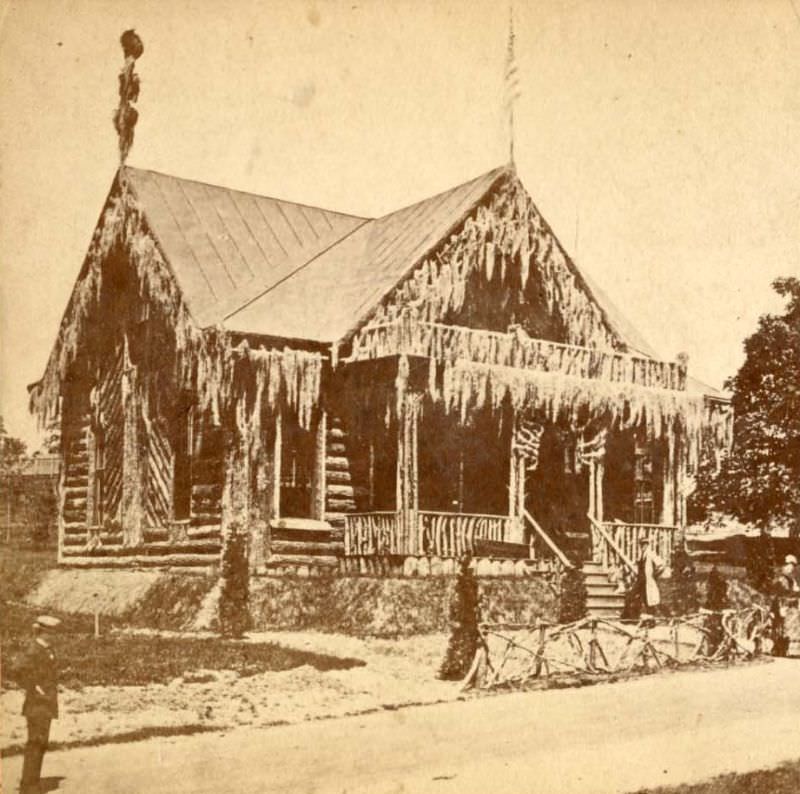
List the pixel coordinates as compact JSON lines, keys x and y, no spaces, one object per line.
{"x":649,"y":568}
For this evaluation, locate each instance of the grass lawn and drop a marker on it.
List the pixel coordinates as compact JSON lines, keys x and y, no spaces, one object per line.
{"x":21,"y":570}
{"x":121,"y":660}
{"x":784,"y":779}
{"x":118,"y":659}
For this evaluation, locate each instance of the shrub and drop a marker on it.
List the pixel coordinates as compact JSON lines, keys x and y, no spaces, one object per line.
{"x":683,"y":585}
{"x":716,"y":600}
{"x":760,"y":561}
{"x":717,"y":591}
{"x":573,"y":596}
{"x":464,"y":617}
{"x":234,"y":616}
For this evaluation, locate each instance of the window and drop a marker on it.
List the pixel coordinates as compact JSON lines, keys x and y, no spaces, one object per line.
{"x":297,"y":465}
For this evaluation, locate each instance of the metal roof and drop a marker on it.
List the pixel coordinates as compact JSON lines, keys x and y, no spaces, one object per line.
{"x":327,"y":297}
{"x":225,"y":246}
{"x":265,"y":266}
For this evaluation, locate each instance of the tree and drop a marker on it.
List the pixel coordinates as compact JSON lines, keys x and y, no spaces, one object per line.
{"x":12,"y":453}
{"x":51,"y":444}
{"x":759,"y":482}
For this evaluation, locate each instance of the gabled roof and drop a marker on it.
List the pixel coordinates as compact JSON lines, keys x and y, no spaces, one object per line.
{"x":326,"y":298}
{"x":269,"y":267}
{"x":225,"y":246}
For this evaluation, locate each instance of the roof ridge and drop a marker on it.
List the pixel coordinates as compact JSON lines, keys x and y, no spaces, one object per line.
{"x":294,"y":272}
{"x":246,"y":192}
{"x":495,"y":171}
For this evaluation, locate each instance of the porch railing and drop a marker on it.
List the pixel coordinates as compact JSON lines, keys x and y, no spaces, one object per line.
{"x":421,"y":533}
{"x":370,"y":534}
{"x":454,"y":534}
{"x":448,"y":342}
{"x":615,"y":544}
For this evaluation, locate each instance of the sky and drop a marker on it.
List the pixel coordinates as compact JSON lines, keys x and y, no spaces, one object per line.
{"x":661,"y":140}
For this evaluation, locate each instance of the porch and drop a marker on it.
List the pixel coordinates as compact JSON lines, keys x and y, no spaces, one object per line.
{"x":399,"y":468}
{"x":615,"y":545}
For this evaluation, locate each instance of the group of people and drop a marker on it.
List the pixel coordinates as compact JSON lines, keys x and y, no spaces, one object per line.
{"x":785,"y":593}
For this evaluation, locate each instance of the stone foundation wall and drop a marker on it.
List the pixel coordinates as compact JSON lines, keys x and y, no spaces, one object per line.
{"x":399,"y":606}
{"x":361,"y":605}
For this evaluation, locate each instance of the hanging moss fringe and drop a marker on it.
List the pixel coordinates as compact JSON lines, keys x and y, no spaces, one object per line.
{"x":467,"y":387}
{"x":206,"y":361}
{"x":515,"y":349}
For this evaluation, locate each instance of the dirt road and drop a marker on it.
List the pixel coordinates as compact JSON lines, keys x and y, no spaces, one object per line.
{"x":614,"y":738}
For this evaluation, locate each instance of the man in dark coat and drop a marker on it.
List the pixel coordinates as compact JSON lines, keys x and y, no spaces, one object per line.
{"x":39,"y":676}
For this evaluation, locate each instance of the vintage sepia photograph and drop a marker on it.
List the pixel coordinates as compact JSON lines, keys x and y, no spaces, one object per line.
{"x":400,"y":396}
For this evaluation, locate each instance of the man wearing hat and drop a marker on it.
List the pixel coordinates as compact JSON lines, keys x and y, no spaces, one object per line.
{"x":649,"y":568}
{"x":39,"y":676}
{"x":784,"y":587}
{"x":786,"y":581}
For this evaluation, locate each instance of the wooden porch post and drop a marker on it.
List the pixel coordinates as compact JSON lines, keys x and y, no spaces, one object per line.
{"x":277,"y":452}
{"x":407,"y":469}
{"x":266,"y":489}
{"x":592,"y":454}
{"x":131,"y":499}
{"x":236,"y":488}
{"x":516,"y":488}
{"x":318,"y":482}
{"x":261,"y":507}
{"x":599,"y":473}
{"x":669,"y":507}
{"x":682,"y":485}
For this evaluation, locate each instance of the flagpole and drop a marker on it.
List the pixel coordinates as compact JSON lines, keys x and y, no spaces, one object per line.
{"x":511,"y":83}
{"x":511,"y":134}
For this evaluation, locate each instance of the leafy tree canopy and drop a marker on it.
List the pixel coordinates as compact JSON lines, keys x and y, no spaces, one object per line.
{"x":759,"y":482}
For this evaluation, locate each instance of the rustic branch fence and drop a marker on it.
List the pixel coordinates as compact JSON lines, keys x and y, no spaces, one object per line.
{"x":516,"y":655}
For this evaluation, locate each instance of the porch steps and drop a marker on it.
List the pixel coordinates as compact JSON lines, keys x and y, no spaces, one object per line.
{"x":297,"y":543}
{"x":603,"y":600}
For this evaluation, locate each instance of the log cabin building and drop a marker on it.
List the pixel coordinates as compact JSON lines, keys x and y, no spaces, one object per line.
{"x":359,"y":394}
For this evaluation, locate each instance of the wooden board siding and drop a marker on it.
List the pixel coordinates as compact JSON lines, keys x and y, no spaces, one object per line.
{"x":75,"y":480}
{"x":158,"y":475}
{"x":119,"y":460}
{"x":110,"y":419}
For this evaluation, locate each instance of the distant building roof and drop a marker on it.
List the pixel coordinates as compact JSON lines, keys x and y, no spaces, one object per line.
{"x":42,"y":466}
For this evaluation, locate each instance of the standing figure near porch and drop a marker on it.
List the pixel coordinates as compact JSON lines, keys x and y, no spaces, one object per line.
{"x":649,"y":568}
{"x":784,"y":605}
{"x":39,"y":674}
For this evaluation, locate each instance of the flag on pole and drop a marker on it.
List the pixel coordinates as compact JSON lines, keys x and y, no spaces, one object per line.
{"x":511,"y":83}
{"x":512,"y":89}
